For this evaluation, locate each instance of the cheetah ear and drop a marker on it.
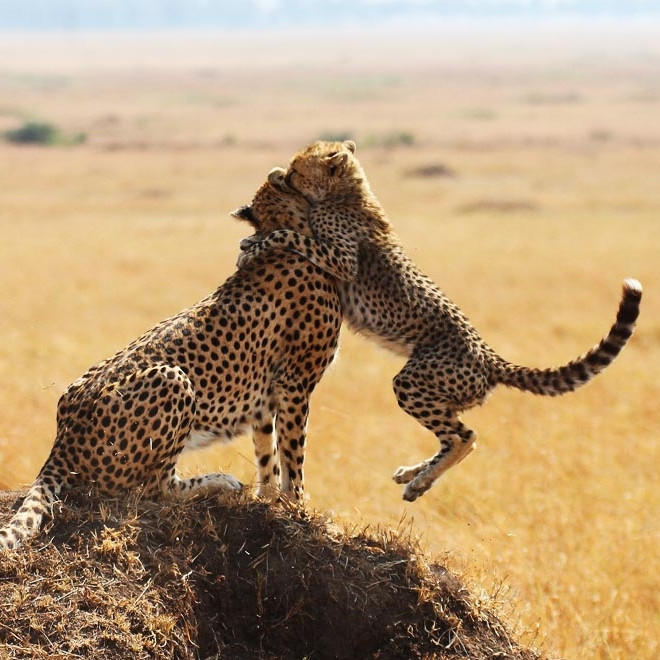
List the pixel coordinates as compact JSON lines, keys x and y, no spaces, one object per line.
{"x":337,"y":160}
{"x":243,"y":213}
{"x":277,"y":179}
{"x":350,"y":145}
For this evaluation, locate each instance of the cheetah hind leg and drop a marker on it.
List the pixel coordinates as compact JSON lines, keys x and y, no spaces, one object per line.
{"x":454,"y":447}
{"x":421,"y":392}
{"x":160,"y":435}
{"x":406,"y":473}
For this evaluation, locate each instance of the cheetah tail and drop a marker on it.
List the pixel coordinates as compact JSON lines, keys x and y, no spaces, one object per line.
{"x":27,"y":521}
{"x":551,"y":382}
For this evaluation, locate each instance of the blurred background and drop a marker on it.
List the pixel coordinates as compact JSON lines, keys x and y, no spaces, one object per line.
{"x":516,"y":148}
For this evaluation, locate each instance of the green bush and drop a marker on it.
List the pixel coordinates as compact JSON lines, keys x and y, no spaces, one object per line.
{"x":33,"y":132}
{"x":44,"y":133}
{"x":392,"y":139}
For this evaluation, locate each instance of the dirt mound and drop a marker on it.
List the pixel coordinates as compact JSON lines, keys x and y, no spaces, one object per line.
{"x":231,"y":580}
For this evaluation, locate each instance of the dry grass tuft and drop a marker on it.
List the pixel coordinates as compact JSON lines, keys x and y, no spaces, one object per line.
{"x":233,"y":579}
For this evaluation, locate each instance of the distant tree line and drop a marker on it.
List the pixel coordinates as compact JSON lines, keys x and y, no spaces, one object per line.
{"x":168,"y":14}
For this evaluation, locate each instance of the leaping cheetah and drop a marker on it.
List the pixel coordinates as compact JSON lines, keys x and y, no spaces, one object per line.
{"x":383,"y":293}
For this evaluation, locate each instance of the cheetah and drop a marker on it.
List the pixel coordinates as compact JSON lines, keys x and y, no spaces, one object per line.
{"x":246,"y":357}
{"x":449,"y":367}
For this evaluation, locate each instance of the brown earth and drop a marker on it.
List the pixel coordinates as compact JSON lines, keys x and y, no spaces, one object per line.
{"x":233,"y":580}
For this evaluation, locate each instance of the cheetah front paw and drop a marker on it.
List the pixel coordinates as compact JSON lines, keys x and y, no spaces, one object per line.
{"x":249,"y":242}
{"x":245,"y":258}
{"x":268,"y":492}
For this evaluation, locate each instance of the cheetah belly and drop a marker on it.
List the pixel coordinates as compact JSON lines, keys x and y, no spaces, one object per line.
{"x":394,"y":346}
{"x":364,"y":320}
{"x":199,"y":438}
{"x":227,"y":430}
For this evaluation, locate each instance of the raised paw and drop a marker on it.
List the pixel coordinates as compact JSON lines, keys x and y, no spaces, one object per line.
{"x":405,"y":474}
{"x":249,"y":242}
{"x":413,"y":490}
{"x":245,"y":258}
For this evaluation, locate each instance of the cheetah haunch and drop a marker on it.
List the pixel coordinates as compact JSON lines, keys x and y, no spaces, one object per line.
{"x":246,"y":357}
{"x":383,"y":294}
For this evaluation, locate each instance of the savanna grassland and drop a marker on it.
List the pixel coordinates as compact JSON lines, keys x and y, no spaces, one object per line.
{"x":521,"y":169}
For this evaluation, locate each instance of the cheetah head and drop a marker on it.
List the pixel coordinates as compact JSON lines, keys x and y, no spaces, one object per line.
{"x":273,"y":208}
{"x":323,"y":170}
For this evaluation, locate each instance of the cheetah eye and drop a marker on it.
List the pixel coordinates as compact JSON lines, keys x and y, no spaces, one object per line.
{"x":333,"y":154}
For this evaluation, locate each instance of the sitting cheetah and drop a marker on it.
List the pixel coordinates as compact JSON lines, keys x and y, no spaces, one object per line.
{"x":247,"y":356}
{"x":449,"y":368}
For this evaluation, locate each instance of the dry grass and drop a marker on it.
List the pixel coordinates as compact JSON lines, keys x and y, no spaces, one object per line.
{"x":561,"y":501}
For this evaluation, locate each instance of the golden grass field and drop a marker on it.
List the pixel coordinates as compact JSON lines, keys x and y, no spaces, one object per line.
{"x":555,"y":199}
